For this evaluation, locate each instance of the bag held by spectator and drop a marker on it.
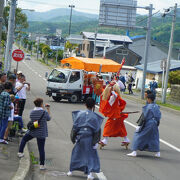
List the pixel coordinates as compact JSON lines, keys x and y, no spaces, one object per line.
{"x":34,"y":124}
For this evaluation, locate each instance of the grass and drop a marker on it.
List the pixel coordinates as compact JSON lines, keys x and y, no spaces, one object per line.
{"x":169,"y":105}
{"x":33,"y":158}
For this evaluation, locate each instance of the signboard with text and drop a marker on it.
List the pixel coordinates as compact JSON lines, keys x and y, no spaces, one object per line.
{"x":118,"y":13}
{"x":18,"y":55}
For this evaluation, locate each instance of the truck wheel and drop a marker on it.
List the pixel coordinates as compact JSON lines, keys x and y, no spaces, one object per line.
{"x":57,"y":99}
{"x":74,"y":98}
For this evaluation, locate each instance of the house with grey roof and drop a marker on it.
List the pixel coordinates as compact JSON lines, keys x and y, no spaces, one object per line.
{"x":118,"y":52}
{"x":102,"y":40}
{"x":154,"y":69}
{"x":156,"y":50}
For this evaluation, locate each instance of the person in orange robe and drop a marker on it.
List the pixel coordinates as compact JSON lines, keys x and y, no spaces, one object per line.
{"x":111,"y":106}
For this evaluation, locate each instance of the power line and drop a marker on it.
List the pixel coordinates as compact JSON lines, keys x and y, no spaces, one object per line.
{"x":147,"y":17}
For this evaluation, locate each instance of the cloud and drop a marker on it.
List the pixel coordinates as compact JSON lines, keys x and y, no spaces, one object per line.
{"x":91,"y":6}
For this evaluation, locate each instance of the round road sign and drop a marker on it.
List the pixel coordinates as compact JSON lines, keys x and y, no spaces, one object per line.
{"x":18,"y":55}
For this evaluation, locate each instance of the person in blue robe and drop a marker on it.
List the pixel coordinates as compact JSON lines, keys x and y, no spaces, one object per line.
{"x":153,"y":86}
{"x":85,"y":135}
{"x":146,"y":137}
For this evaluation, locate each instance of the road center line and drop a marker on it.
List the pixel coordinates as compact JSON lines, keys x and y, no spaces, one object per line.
{"x":161,"y":140}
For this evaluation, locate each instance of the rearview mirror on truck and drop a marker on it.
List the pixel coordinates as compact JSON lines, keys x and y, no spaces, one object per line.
{"x":46,"y":75}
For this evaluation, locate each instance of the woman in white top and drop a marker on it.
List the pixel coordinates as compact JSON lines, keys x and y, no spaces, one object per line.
{"x":21,"y":87}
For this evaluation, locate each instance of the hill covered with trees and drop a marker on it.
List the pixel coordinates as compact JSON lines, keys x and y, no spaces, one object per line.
{"x":161,"y":27}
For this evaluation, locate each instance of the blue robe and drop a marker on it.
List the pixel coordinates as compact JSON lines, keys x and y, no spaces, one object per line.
{"x":84,"y":157}
{"x":148,"y":138}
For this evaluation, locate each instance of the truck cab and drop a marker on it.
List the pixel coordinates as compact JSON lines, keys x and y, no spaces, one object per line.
{"x":65,"y":84}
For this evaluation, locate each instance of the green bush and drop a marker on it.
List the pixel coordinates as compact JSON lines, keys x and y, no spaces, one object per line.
{"x":174,"y":77}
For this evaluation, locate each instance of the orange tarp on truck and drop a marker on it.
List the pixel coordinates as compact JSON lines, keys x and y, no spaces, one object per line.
{"x":92,"y":64}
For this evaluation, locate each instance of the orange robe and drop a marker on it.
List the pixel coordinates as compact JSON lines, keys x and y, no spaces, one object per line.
{"x":114,"y":126}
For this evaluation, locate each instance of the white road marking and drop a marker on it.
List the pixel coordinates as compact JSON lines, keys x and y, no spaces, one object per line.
{"x":161,"y":140}
{"x":44,"y":79}
{"x":36,"y":73}
{"x":40,"y":76}
{"x":101,"y":176}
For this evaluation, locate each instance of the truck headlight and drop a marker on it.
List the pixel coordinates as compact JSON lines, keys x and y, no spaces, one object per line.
{"x":48,"y":89}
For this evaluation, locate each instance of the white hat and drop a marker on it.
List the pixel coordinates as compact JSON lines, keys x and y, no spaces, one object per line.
{"x":19,"y":72}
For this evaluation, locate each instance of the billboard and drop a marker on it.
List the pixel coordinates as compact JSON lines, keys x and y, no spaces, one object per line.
{"x":58,"y":32}
{"x":118,"y":13}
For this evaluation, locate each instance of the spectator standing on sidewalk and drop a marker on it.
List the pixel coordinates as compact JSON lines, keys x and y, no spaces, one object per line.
{"x":22,"y":86}
{"x":10,"y":119}
{"x":40,"y":133}
{"x":120,"y":83}
{"x":153,"y":85}
{"x":12,"y":80}
{"x":3,"y":79}
{"x":130,"y":83}
{"x":5,"y":110}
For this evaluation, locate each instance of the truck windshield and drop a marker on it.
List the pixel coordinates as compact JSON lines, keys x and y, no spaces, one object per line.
{"x":60,"y":76}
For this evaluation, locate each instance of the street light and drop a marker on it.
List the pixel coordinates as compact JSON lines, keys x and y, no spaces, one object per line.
{"x":71,"y":6}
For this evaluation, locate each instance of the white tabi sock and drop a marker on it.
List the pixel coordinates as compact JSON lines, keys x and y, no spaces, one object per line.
{"x":126,"y":139}
{"x":158,"y":154}
{"x":133,"y":154}
{"x":105,"y":140}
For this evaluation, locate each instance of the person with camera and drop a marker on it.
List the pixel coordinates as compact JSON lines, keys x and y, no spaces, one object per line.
{"x":39,"y":118}
{"x":22,"y":86}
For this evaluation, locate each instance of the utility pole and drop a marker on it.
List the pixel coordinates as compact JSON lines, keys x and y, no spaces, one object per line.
{"x":38,"y":47}
{"x":10,"y":36}
{"x":71,"y":6}
{"x":169,"y":55}
{"x":1,"y":19}
{"x":148,"y":39}
{"x":95,"y":37}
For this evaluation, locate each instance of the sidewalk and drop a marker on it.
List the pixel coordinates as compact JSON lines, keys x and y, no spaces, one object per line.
{"x":9,"y":161}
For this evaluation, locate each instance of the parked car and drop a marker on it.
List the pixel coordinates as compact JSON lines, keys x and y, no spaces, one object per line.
{"x":28,"y":57}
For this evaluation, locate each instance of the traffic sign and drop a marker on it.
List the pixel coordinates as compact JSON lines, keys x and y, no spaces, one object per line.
{"x":18,"y":55}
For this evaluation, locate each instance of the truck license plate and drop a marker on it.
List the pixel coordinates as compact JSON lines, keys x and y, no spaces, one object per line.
{"x":53,"y":94}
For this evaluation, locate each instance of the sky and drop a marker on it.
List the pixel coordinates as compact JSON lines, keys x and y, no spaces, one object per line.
{"x":90,"y":6}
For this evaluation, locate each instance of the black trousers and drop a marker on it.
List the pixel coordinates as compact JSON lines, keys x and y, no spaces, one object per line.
{"x":40,"y":143}
{"x":22,"y":103}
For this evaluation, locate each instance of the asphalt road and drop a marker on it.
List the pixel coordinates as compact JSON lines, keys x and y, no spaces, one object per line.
{"x":115,"y":165}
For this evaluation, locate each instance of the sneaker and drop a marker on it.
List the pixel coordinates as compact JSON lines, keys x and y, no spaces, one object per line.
{"x":4,"y":142}
{"x":133,"y":154}
{"x":20,"y":155}
{"x":69,"y":173}
{"x":90,"y":177}
{"x":42,"y":167}
{"x":24,"y":130}
{"x":158,"y":154}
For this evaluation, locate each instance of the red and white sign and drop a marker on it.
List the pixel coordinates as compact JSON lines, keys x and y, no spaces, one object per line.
{"x":18,"y":55}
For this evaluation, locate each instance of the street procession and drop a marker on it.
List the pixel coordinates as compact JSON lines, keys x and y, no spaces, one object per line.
{"x":89,"y":90}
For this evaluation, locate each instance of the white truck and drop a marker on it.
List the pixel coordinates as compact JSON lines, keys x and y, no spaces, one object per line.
{"x":68,"y":84}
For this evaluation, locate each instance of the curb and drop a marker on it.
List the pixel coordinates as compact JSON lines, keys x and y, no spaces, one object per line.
{"x":24,"y":166}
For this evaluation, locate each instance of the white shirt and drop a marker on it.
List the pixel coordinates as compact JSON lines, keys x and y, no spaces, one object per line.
{"x":120,"y":84}
{"x":11,"y":118}
{"x":22,"y":93}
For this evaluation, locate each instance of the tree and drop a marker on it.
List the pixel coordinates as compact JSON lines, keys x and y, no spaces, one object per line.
{"x":70,"y":46}
{"x":46,"y":50}
{"x":20,"y":19}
